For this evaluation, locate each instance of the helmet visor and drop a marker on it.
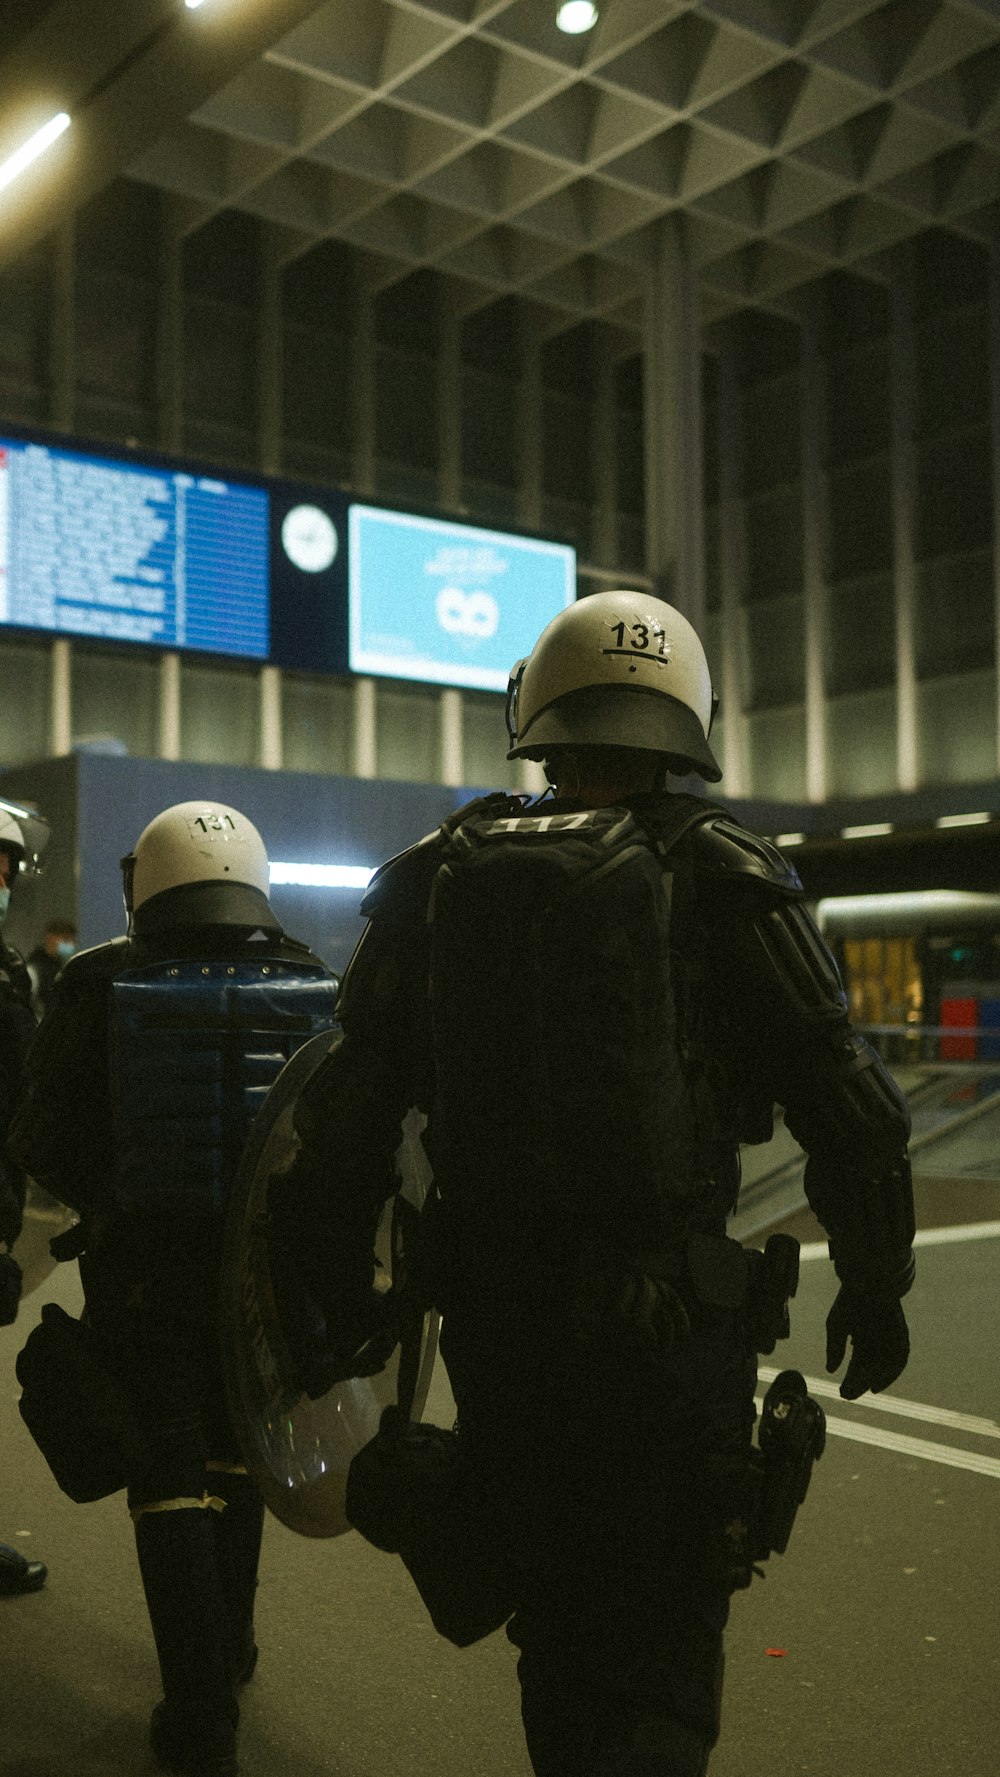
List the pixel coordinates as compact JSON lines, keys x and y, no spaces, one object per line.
{"x":35,"y":831}
{"x":621,"y":716}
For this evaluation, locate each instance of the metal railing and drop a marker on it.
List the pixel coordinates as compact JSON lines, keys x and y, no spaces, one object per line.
{"x":928,"y":1042}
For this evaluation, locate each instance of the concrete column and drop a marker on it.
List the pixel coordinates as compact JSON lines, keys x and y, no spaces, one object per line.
{"x":452,"y":749}
{"x":270,"y":356}
{"x":531,"y":445}
{"x":363,"y":395}
{"x":62,"y":328}
{"x":903,"y":522}
{"x":675,"y":552}
{"x":61,"y":727}
{"x":270,"y":718}
{"x":449,"y":405}
{"x":814,"y":590}
{"x":365,"y":747}
{"x":735,"y":760}
{"x":169,"y":369}
{"x":169,"y":735}
{"x":994,"y":326}
{"x":604,"y":454}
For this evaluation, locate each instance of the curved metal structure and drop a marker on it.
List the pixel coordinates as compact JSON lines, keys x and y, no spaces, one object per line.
{"x":299,"y":1450}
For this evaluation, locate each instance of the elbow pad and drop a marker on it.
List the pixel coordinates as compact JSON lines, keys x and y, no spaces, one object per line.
{"x":870,"y":1223}
{"x":790,"y":1010}
{"x":847,"y":1103}
{"x":854,"y":1128}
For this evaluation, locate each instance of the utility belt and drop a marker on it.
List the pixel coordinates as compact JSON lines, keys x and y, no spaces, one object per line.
{"x":700,"y":1269}
{"x":657,"y":1291}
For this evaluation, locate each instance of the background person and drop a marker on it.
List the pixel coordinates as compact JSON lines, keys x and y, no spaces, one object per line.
{"x":139,"y":1092}
{"x":47,"y":958}
{"x":23,"y":837}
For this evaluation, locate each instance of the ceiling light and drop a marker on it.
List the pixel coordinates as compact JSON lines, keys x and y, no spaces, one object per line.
{"x":870,"y":830}
{"x":576,"y":16}
{"x":34,"y":146}
{"x":789,"y":839}
{"x":905,"y":905}
{"x":353,"y":876}
{"x":962,"y":820}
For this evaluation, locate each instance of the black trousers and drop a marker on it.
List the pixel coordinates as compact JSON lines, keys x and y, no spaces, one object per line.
{"x":151,"y":1289}
{"x":605,"y":1465}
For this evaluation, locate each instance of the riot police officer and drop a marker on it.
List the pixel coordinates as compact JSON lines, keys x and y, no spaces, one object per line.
{"x":23,"y":837}
{"x":594,"y":1000}
{"x":140,"y":1089}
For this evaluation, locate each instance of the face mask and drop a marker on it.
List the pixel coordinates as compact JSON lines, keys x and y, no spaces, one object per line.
{"x":4,"y":903}
{"x":64,"y":949}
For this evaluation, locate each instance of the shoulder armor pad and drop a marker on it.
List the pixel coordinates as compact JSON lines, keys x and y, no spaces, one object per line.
{"x":100,"y":963}
{"x":401,"y":886}
{"x":722,"y":845}
{"x":293,"y":950}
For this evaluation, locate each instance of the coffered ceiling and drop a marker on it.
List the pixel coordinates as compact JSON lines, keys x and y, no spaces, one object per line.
{"x":786,"y":137}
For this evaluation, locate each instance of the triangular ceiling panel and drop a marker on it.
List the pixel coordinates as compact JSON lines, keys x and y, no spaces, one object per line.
{"x":472,"y":137}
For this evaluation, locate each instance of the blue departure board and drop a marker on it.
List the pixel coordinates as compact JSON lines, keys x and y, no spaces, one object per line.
{"x":151,"y":551}
{"x":132,"y":552}
{"x":446,"y":603}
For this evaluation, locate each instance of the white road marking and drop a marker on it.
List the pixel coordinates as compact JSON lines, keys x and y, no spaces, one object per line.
{"x":895,"y":1404}
{"x":818,"y":1249}
{"x":904,"y":1446}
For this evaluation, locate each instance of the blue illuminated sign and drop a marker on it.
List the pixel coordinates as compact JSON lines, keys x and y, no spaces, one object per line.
{"x":448,"y":603}
{"x":131,"y":552}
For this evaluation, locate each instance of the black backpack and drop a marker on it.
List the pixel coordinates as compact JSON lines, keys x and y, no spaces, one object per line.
{"x":561,"y":1085}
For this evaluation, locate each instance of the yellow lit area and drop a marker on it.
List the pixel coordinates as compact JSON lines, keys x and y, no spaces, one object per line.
{"x":883,"y":980}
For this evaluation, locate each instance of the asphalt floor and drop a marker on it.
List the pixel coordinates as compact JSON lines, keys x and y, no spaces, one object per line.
{"x":871,"y":1646}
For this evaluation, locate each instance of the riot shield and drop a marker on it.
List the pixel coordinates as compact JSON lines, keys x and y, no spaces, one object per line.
{"x":299,"y":1450}
{"x":44,"y":1218}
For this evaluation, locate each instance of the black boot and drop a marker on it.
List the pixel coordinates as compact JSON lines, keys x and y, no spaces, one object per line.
{"x":193,"y":1731}
{"x":238,"y":1532}
{"x":18,"y":1575}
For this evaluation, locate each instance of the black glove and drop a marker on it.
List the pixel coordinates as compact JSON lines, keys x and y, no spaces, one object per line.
{"x":654,"y":1311}
{"x":880,"y":1341}
{"x":362,"y":1345}
{"x":331,"y":1333}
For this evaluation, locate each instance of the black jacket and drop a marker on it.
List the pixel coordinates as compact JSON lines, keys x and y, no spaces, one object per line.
{"x":774,"y":1025}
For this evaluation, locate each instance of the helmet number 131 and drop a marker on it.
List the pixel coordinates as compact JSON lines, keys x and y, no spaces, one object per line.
{"x":639,"y":639}
{"x":213,"y":823}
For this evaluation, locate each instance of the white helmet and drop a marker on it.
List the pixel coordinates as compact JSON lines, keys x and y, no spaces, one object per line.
{"x":617,"y":669}
{"x":23,"y":836}
{"x":204,"y":845}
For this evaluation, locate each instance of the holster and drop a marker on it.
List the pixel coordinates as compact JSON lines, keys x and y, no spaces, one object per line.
{"x":792,"y":1436}
{"x":75,"y":1410}
{"x":765,"y":1496}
